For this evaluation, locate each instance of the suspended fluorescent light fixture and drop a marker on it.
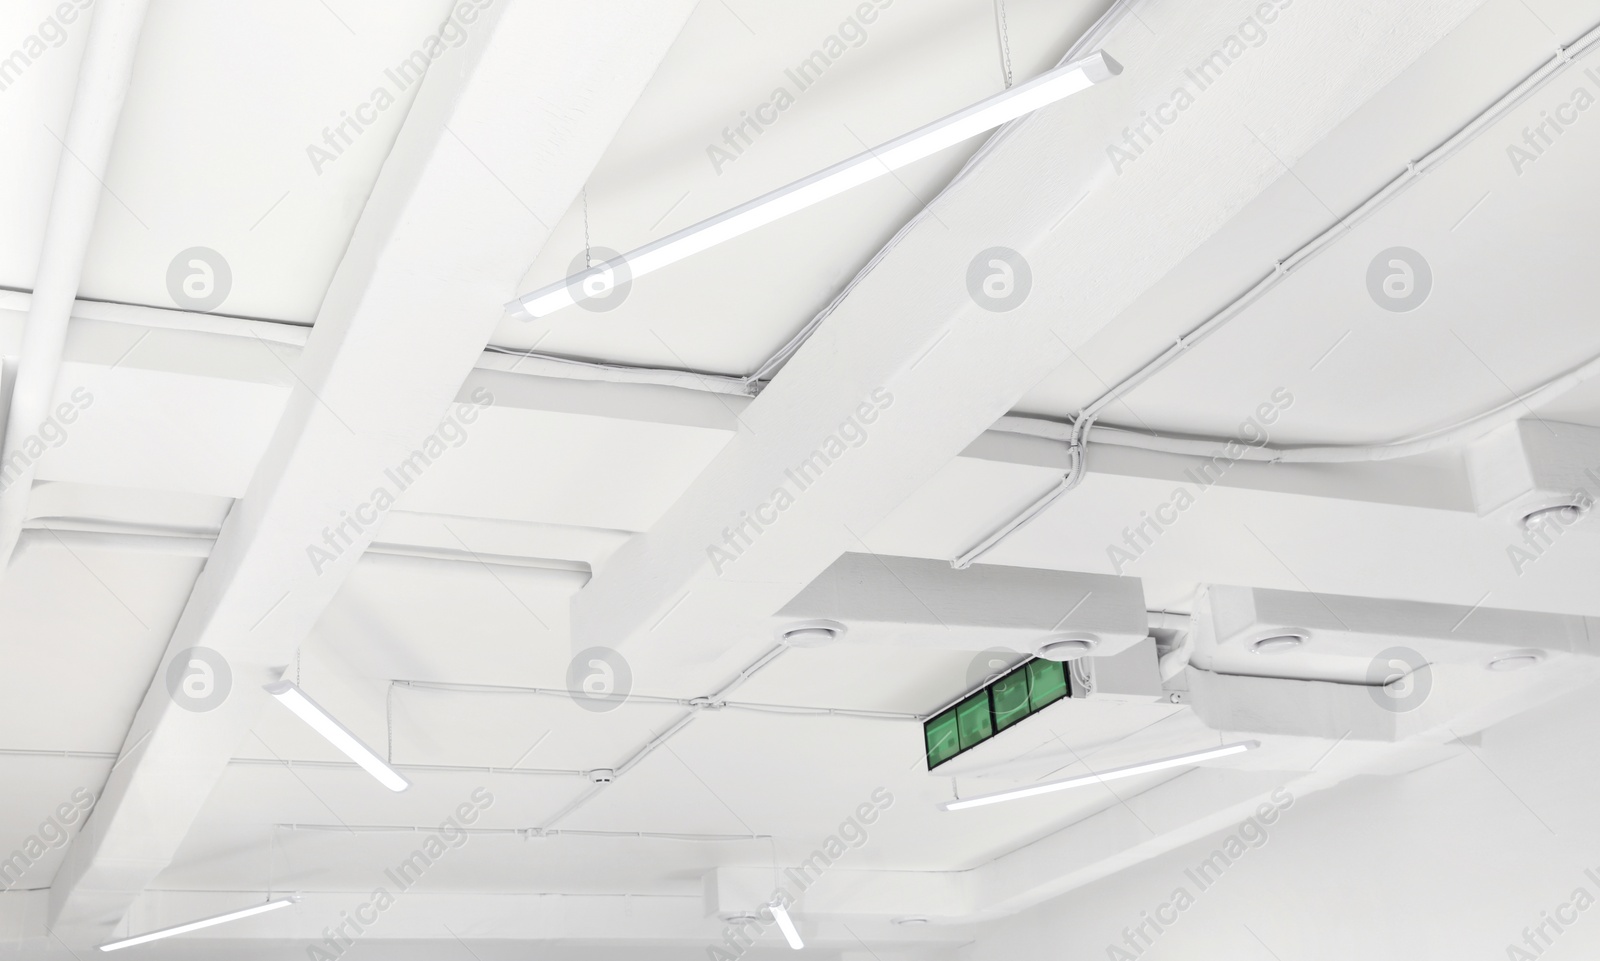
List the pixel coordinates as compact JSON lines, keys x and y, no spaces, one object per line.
{"x":780,"y":914}
{"x":1041,"y":91}
{"x":1132,"y":770}
{"x":337,"y":734}
{"x":197,"y":925}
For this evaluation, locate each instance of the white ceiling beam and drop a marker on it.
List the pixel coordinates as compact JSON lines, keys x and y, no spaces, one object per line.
{"x":496,"y":145}
{"x":643,"y":445}
{"x":103,"y":79}
{"x":659,"y":917}
{"x":911,"y":349}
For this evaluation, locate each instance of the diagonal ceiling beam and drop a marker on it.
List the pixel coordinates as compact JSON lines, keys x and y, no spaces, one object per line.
{"x":909,"y":369}
{"x":497,"y":144}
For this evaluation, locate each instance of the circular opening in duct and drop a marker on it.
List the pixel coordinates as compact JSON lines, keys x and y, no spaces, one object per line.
{"x":1278,"y":643}
{"x":1066,"y":648}
{"x":811,"y":634}
{"x":1515,"y":660}
{"x":1563,"y":514}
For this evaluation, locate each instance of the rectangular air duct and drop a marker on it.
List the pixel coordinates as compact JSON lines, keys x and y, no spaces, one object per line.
{"x":919,"y":602}
{"x":1331,"y":667}
{"x":1534,"y":465}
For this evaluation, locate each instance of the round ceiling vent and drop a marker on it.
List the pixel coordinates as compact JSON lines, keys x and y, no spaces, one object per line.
{"x":1278,"y":643}
{"x":1563,"y":514}
{"x":811,"y":634}
{"x":911,"y":919}
{"x":1066,"y":647}
{"x":1515,"y":660}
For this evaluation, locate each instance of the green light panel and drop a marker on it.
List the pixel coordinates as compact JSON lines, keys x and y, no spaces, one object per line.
{"x":1024,"y":690}
{"x":977,"y":719}
{"x":940,"y":733}
{"x":1010,"y":699}
{"x":1047,"y":682}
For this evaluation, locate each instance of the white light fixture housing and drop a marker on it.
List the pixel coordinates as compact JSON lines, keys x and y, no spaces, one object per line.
{"x":741,"y":917}
{"x":1563,"y":514}
{"x":1066,"y":647}
{"x":1515,"y":660}
{"x":1279,"y":643}
{"x":337,"y":734}
{"x":197,"y":925}
{"x":780,"y":914}
{"x":1041,"y":91}
{"x":811,"y":633}
{"x":1132,"y":770}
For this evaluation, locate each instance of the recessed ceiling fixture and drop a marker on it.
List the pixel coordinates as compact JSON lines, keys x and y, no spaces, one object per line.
{"x":780,"y":914}
{"x":1515,"y":660}
{"x":1132,"y":770}
{"x":1561,"y":513}
{"x":811,"y":634}
{"x":337,"y":734}
{"x":197,"y":925}
{"x":1041,"y":91}
{"x":1065,"y":648}
{"x":1278,"y":643}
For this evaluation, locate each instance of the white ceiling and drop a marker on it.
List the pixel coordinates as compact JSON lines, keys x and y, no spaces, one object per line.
{"x":447,"y":645}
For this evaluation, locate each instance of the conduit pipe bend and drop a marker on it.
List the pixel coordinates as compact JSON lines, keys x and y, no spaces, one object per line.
{"x":1082,"y":429}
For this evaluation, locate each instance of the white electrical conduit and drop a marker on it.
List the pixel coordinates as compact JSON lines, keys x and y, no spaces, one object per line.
{"x":523,"y":832}
{"x":200,"y":546}
{"x":695,"y":702}
{"x":553,"y":365}
{"x":103,"y":80}
{"x":436,"y":768}
{"x":1083,"y":426}
{"x":677,"y":725}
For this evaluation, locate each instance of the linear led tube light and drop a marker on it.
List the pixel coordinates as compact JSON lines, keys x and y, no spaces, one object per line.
{"x":780,"y":914}
{"x":1180,"y":760}
{"x":337,"y":734}
{"x":196,"y":925}
{"x":1041,"y":91}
